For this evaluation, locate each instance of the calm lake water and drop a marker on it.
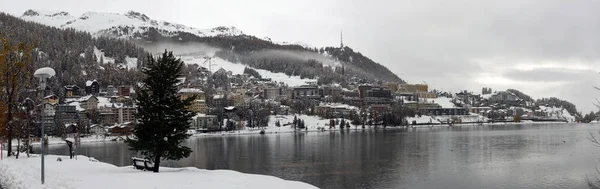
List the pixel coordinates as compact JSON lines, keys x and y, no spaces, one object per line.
{"x":507,"y":156}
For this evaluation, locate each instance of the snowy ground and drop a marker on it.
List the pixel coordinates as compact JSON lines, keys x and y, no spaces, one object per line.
{"x":558,"y":113}
{"x":422,"y":120}
{"x":313,"y":124}
{"x":88,"y":173}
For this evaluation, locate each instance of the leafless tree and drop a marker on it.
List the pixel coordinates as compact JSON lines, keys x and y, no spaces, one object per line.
{"x":594,"y":182}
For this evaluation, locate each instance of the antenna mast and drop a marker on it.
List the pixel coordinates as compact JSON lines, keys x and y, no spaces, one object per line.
{"x":341,"y":39}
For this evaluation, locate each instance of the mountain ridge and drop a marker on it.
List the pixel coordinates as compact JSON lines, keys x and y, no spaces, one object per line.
{"x":133,"y":23}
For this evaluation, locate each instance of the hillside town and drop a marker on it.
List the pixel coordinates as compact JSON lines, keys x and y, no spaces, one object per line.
{"x":248,"y":103}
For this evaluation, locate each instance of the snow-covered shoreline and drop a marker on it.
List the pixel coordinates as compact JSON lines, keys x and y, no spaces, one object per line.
{"x":315,"y":124}
{"x":87,"y":172}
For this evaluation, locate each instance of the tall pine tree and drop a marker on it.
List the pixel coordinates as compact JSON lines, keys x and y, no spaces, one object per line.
{"x":162,"y":118}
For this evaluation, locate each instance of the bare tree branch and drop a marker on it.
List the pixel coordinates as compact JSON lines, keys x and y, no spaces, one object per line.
{"x":593,"y":139}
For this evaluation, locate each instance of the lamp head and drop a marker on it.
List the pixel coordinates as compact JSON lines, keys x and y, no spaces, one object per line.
{"x":44,"y":73}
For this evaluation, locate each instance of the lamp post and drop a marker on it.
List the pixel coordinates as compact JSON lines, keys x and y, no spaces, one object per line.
{"x":43,"y":74}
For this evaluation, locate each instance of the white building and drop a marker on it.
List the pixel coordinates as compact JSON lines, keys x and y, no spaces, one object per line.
{"x":98,"y":130}
{"x":204,"y":122}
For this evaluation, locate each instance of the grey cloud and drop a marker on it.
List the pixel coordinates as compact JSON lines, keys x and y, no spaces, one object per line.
{"x":545,"y":74}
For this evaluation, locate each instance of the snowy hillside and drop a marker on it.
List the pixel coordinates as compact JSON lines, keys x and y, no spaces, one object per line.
{"x":129,"y":25}
{"x":558,"y":113}
{"x":218,"y":63}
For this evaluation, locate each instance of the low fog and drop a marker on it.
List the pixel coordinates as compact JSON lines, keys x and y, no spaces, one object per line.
{"x":196,"y":48}
{"x":302,"y":55}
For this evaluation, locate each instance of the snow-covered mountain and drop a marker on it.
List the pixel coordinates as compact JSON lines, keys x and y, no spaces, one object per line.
{"x":241,"y":48}
{"x":132,"y":25}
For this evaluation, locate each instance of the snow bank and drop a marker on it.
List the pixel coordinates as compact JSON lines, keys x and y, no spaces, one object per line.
{"x":312,"y":122}
{"x":88,"y":173}
{"x":463,"y":118}
{"x":422,"y":120}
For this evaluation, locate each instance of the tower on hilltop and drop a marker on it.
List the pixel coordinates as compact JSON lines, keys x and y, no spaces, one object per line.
{"x":341,"y":39}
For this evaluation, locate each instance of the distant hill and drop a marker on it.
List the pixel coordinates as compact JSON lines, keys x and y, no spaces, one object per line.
{"x":547,"y":102}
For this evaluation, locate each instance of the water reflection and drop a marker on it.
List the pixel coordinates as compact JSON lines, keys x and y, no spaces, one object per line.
{"x":504,"y":156}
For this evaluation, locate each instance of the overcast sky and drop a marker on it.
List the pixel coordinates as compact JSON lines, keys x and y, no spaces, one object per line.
{"x":541,"y":47}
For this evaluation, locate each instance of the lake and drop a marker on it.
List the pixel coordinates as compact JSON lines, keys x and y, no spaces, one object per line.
{"x":494,"y":156}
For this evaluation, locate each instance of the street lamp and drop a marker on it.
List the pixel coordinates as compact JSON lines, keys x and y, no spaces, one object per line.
{"x":43,"y":74}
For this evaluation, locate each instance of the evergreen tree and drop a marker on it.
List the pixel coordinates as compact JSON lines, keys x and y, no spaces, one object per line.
{"x":162,"y":118}
{"x":295,"y":121}
{"x":331,"y":124}
{"x":230,"y":125}
{"x":301,"y":124}
{"x":249,"y":123}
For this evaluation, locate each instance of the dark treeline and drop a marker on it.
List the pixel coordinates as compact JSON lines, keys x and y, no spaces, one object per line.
{"x":521,"y":95}
{"x":71,"y":53}
{"x":356,"y":59}
{"x":252,"y":72}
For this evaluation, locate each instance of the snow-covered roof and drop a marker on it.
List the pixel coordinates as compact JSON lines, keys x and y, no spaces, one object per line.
{"x":218,"y":97}
{"x":105,"y":102}
{"x":338,"y":106}
{"x":50,"y":96}
{"x":97,"y":125}
{"x":181,"y":80}
{"x":89,"y":83}
{"x":190,"y":90}
{"x":77,"y":106}
{"x":80,"y":99}
{"x":444,"y":102}
{"x":199,"y":115}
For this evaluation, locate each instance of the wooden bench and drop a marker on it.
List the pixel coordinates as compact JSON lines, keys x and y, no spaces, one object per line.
{"x":142,"y":164}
